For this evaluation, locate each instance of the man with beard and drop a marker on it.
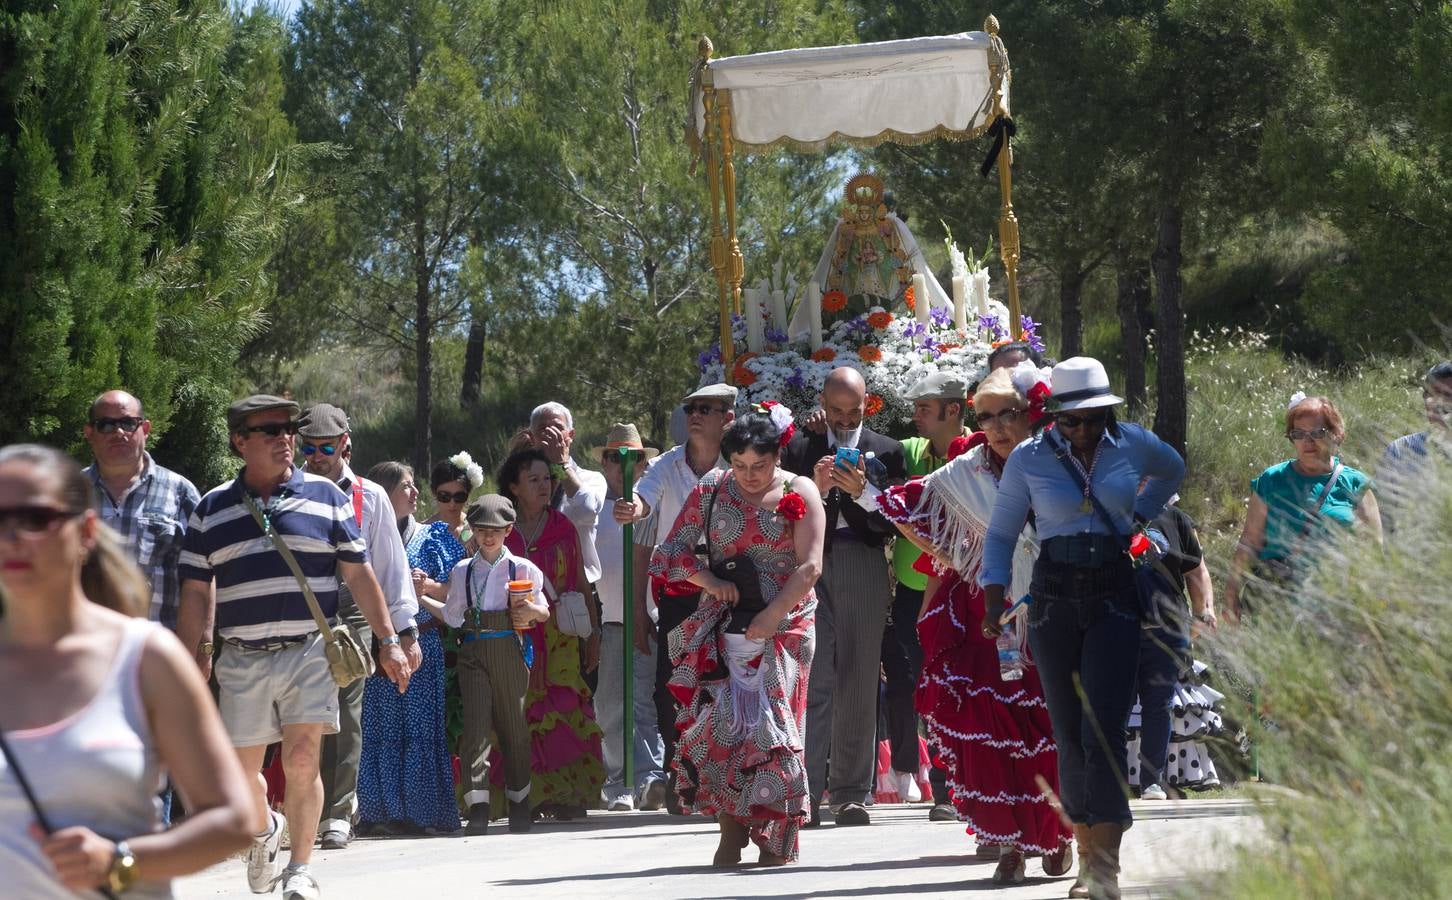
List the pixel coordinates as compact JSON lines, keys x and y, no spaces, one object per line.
{"x":852,"y":594}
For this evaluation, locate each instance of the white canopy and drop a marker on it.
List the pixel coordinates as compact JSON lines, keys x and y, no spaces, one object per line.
{"x":904,"y":91}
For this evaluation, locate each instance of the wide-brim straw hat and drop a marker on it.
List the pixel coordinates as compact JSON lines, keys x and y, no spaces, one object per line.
{"x":1081,"y":383}
{"x":624,"y":436}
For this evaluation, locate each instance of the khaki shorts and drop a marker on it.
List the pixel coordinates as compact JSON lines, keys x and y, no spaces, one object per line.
{"x":264,"y":690}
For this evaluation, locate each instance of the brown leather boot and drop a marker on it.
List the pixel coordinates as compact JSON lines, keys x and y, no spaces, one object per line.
{"x":1104,"y":838}
{"x":734,"y":838}
{"x":1084,"y":840}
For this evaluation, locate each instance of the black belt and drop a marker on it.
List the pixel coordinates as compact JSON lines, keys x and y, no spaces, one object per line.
{"x":277,"y":643}
{"x":1087,"y":550}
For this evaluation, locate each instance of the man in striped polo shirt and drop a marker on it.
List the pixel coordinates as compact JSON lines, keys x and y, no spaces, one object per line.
{"x":273,"y":675}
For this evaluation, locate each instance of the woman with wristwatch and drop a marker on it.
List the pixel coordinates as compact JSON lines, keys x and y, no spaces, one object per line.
{"x":100,"y":705}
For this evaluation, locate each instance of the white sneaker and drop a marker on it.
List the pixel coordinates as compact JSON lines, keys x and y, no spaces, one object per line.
{"x":623,"y":803}
{"x":298,"y":884}
{"x":262,"y":857}
{"x":1153,"y":792}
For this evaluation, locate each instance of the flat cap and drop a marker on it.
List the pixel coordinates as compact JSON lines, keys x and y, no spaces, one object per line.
{"x":238,"y":412}
{"x":938,"y":386}
{"x":723,"y":392}
{"x":322,"y":420}
{"x":490,"y":511}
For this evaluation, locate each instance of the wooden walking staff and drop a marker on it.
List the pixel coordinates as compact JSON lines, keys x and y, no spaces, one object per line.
{"x":1002,"y":131}
{"x":628,"y":456}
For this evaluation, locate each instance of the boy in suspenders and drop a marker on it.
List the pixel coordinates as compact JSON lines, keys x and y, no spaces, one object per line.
{"x":494,"y":659}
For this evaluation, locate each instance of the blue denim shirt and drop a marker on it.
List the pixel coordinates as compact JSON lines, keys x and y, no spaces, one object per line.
{"x":1034,"y":477}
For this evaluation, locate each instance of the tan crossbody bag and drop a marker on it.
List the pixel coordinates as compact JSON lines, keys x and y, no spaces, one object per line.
{"x":347,"y":660}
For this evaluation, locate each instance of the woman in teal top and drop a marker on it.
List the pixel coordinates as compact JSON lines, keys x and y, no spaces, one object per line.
{"x":1296,"y":504}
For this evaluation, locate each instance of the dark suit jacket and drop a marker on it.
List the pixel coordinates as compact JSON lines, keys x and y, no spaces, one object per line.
{"x":872,"y":529}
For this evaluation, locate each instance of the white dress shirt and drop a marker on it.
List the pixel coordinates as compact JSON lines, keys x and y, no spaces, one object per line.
{"x":490,"y":584}
{"x":583,"y":511}
{"x":664,"y":488}
{"x":385,"y":549}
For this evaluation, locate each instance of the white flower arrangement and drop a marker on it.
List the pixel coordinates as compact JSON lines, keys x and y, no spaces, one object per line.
{"x":472,"y":471}
{"x":892,"y":352}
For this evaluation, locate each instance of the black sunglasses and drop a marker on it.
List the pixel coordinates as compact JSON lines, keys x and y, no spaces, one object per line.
{"x":272,"y":429}
{"x":326,"y":449}
{"x":1069,"y":420}
{"x":451,"y":496}
{"x":704,"y":409}
{"x":33,"y":520}
{"x":127,"y":424}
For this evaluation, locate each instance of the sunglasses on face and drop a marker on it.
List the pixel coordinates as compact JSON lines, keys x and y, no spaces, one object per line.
{"x":451,"y":496}
{"x":326,"y":449}
{"x":272,"y":429}
{"x":1069,"y":420}
{"x":127,"y":424}
{"x":1002,"y":419}
{"x":1300,"y":434}
{"x":32,"y":521}
{"x":704,"y":409}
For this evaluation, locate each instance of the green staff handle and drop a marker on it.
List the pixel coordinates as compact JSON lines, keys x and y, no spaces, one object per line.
{"x":627,"y":540}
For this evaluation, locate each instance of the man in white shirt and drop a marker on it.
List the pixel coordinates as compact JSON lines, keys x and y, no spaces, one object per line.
{"x":325,"y":441}
{"x":661,"y":494}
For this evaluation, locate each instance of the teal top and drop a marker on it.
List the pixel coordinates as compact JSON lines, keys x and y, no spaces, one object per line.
{"x":1291,"y":501}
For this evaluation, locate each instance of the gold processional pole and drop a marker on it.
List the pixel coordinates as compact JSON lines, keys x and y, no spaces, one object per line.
{"x":728,"y":187}
{"x":1007,"y":222}
{"x":711,"y":152}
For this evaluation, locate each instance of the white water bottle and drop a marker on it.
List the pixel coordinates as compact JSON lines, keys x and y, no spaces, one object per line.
{"x":1010,"y":652}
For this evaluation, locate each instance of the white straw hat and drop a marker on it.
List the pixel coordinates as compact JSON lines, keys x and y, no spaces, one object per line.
{"x":1081,"y":383}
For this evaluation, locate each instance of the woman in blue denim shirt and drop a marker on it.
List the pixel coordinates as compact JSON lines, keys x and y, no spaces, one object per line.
{"x":1084,"y":626}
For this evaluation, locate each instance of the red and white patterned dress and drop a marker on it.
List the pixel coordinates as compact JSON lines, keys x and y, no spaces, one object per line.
{"x":731,"y":759}
{"x":993,"y":737}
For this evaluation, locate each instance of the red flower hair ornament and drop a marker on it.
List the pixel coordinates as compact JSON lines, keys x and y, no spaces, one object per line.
{"x":1036,"y":386}
{"x":781,"y":417}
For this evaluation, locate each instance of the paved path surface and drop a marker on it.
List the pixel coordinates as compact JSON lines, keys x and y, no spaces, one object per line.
{"x":651,"y":855}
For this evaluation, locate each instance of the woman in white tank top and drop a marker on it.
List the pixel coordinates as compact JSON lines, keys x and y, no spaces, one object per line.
{"x":98,"y":706}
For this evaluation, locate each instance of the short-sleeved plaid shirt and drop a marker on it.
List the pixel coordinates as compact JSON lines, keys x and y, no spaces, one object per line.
{"x":152,"y":521}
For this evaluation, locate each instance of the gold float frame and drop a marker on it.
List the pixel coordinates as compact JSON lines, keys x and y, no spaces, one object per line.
{"x":716,"y":148}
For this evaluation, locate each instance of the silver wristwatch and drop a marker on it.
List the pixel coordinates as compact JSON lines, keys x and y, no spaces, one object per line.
{"x":390,"y":640}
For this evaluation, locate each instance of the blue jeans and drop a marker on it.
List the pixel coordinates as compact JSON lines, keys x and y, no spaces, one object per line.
{"x":1084,"y":632}
{"x":1162,"y":656}
{"x":610,"y":714}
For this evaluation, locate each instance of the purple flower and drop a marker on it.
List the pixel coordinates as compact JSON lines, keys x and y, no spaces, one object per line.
{"x":913,"y":329}
{"x":775,"y":336}
{"x":1035,"y":343}
{"x":1028,"y":324}
{"x":706,"y":359}
{"x":940,"y":316}
{"x":988,"y":323}
{"x":796,"y":380}
{"x":859,"y":324}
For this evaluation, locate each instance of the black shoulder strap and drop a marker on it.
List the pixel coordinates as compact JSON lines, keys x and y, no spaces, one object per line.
{"x":469,"y":586}
{"x":710,"y":511}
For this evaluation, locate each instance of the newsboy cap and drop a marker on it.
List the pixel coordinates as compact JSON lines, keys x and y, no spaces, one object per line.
{"x":490,"y":511}
{"x":723,"y":392}
{"x":938,"y":386}
{"x":238,"y":412}
{"x":322,"y":420}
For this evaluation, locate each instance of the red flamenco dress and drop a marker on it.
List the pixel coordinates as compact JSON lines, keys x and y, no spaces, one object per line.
{"x":992,"y":737}
{"x":743,"y":703}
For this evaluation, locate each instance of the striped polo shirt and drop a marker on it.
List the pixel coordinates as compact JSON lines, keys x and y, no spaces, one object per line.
{"x":257,"y":595}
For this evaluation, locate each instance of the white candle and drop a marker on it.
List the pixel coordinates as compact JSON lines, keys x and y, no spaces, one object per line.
{"x":814,"y":308}
{"x":960,"y":303}
{"x":778,"y":311}
{"x":980,"y":290}
{"x":754,"y":326}
{"x":920,"y":297}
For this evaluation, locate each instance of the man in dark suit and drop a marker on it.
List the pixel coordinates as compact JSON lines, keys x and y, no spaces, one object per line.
{"x":853,"y":595}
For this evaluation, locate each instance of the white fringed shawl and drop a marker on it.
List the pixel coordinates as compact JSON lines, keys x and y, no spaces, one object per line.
{"x":953,"y":513}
